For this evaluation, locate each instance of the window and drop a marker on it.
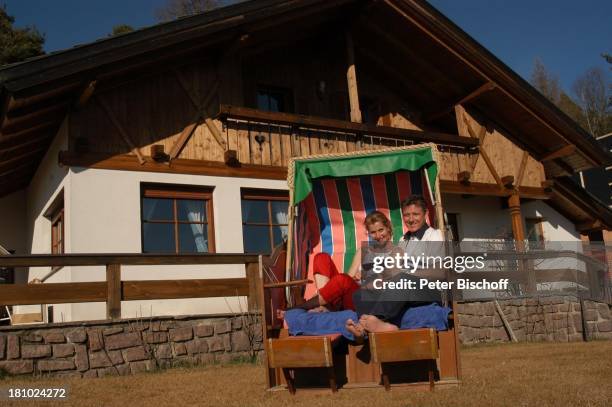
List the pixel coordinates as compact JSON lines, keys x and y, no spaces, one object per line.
{"x":57,"y":232}
{"x":177,"y":220}
{"x":274,"y":99}
{"x":55,"y":214}
{"x":264,"y":220}
{"x":534,"y":231}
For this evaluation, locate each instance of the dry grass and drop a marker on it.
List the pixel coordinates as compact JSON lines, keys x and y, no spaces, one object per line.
{"x":569,"y":374}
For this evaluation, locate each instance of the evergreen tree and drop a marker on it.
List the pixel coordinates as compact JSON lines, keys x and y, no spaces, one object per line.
{"x":121,"y":29}
{"x":17,"y":44}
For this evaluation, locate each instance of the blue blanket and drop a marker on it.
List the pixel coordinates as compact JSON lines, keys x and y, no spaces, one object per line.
{"x":301,"y":322}
{"x":426,"y":316}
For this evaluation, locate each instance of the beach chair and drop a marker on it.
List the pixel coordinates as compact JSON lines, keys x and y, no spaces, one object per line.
{"x":330,"y":195}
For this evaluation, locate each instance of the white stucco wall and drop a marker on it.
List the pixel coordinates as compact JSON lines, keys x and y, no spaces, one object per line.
{"x":48,"y":182}
{"x":556,"y":227}
{"x":105,"y":218}
{"x":479,"y":217}
{"x":13,"y":222}
{"x":482,"y":218}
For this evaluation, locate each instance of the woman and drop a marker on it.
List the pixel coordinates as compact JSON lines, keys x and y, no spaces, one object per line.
{"x":336,"y":290}
{"x":342,"y":292}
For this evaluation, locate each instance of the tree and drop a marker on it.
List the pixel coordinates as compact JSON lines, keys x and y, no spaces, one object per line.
{"x":121,"y":29}
{"x":548,"y":85}
{"x":608,"y":59}
{"x":17,"y":44}
{"x":181,"y":8}
{"x":545,"y":82}
{"x":592,"y":95}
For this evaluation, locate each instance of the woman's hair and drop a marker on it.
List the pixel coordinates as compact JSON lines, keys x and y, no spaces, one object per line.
{"x":377,"y":216}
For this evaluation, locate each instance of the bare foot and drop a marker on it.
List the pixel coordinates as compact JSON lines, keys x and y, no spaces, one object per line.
{"x":356,"y":329}
{"x":373,"y":324}
{"x":280,"y":313}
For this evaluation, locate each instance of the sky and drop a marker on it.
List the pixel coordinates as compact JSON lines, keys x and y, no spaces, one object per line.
{"x":567,"y":35}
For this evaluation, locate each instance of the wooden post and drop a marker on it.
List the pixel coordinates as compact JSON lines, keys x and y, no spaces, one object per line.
{"x":113,"y":291}
{"x":253,"y":276}
{"x":514,"y":204}
{"x":524,"y":268}
{"x":351,"y":78}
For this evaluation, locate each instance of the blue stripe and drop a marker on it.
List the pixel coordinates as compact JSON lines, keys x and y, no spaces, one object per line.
{"x":367,"y":192}
{"x":327,"y":245}
{"x":416,"y":183}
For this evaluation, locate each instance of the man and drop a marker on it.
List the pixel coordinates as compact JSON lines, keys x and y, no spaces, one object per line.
{"x":385,"y":311}
{"x":414,"y":214}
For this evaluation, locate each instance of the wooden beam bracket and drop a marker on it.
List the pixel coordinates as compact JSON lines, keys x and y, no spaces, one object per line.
{"x":120,"y":129}
{"x":508,"y":181}
{"x":464,"y":177}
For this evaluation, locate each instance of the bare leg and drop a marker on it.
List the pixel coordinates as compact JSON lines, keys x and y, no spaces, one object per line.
{"x":320,"y":308}
{"x":356,"y":329}
{"x":373,"y":324}
{"x":280,"y":313}
{"x":320,"y":280}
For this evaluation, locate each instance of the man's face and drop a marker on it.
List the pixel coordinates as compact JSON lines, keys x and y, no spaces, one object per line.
{"x":414,"y":217}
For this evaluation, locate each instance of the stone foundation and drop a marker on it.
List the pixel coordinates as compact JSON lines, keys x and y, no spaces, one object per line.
{"x":537,"y":319}
{"x":95,"y":349}
{"x":100,"y":348}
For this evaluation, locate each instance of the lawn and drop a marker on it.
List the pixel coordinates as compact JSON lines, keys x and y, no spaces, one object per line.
{"x":528,"y":374}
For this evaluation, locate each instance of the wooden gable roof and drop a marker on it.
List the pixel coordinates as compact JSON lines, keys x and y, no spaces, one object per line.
{"x":435,"y":62}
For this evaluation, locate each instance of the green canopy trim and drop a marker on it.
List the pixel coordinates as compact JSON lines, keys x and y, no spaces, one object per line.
{"x":369,"y":164}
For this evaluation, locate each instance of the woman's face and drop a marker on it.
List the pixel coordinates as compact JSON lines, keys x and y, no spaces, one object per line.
{"x":379,"y":232}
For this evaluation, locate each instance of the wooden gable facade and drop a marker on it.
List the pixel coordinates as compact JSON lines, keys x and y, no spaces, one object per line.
{"x":238,"y":91}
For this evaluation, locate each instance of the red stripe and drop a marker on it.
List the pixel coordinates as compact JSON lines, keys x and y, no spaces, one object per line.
{"x":359,"y":214}
{"x":337,"y":225}
{"x":403,"y":189}
{"x":380,"y":194}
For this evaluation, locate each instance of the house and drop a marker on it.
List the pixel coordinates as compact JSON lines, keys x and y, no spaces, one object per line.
{"x":176,"y":137}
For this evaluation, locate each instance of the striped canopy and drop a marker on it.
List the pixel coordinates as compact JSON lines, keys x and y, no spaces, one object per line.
{"x":330,"y":208}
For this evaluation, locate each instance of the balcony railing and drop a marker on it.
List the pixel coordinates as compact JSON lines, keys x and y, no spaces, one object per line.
{"x":114,"y":290}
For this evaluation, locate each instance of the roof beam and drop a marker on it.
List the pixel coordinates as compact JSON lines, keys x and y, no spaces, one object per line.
{"x":465,"y":99}
{"x":85,"y":94}
{"x":522,"y":165}
{"x":179,"y":166}
{"x":463,"y":49}
{"x":8,"y":165}
{"x":22,"y":121}
{"x":484,"y":189}
{"x":482,"y":151}
{"x":25,"y":147}
{"x":201,"y":108}
{"x":561,"y":152}
{"x":15,"y":139}
{"x":120,"y":129}
{"x":351,"y":79}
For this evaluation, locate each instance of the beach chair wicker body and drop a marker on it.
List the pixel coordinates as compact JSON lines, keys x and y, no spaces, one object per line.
{"x":330,"y":196}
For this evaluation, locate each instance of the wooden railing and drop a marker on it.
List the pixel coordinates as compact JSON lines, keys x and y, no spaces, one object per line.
{"x":114,"y":289}
{"x":371,"y":134}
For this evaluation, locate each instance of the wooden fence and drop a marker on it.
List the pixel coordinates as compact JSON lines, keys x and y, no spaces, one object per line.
{"x":114,"y":289}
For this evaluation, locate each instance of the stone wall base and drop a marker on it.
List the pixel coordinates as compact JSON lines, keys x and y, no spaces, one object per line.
{"x":535,"y":319}
{"x":100,"y":348}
